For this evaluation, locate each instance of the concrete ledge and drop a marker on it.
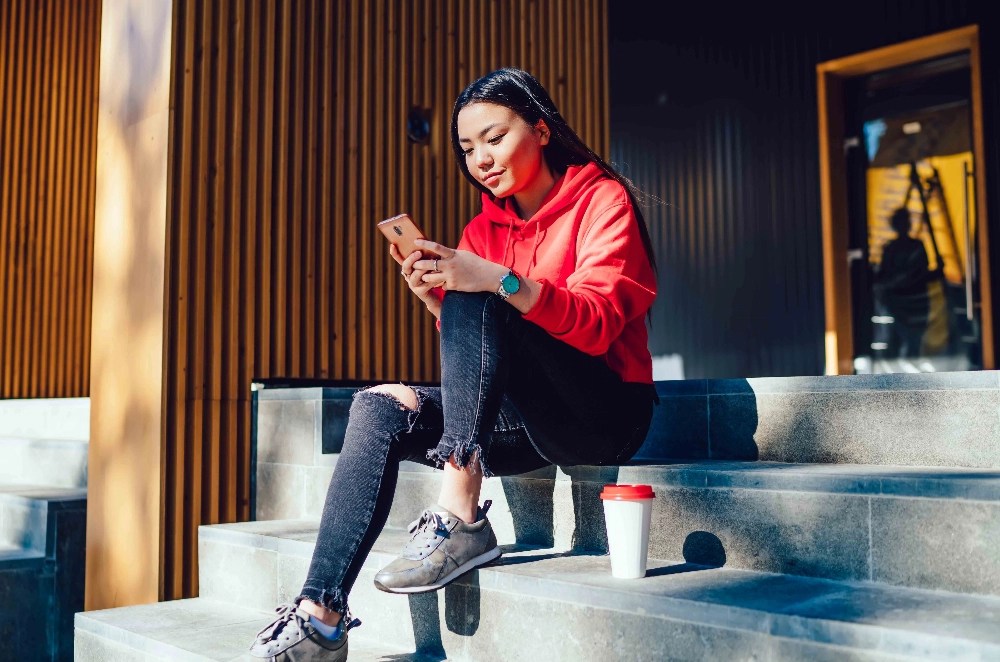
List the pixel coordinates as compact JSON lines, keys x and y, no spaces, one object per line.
{"x":52,"y":462}
{"x":192,"y":630}
{"x":844,"y":522}
{"x":929,"y":419}
{"x":552,"y":599}
{"x":46,"y":418}
{"x":941,"y":419}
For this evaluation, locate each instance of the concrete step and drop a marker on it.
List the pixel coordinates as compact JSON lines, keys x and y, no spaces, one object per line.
{"x":42,"y":564}
{"x":194,"y":630}
{"x":909,"y":526}
{"x":926,"y":420}
{"x":21,"y":573}
{"x":32,"y":516}
{"x":554,"y":604}
{"x":46,"y":418}
{"x":53,"y":462}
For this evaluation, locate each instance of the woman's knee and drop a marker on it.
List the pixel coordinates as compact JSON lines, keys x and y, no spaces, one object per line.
{"x":403,"y":395}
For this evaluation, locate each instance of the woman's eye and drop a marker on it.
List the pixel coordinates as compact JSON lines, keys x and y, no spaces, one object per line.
{"x":496,"y":139}
{"x":467,"y":152}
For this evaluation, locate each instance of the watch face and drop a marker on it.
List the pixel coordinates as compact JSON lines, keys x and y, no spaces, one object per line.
{"x":510,"y":284}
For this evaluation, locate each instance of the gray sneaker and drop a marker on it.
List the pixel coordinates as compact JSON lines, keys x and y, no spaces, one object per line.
{"x":441,"y":549}
{"x":292,"y":638}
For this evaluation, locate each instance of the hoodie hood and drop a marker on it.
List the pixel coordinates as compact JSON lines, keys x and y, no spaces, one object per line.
{"x":565,"y":192}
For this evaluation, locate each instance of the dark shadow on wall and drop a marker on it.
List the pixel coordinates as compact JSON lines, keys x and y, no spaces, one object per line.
{"x":732,"y":420}
{"x":701,"y":419}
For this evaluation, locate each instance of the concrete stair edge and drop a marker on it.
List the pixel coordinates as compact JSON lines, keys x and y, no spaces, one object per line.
{"x":96,"y":638}
{"x":584,"y":582}
{"x":901,"y":526}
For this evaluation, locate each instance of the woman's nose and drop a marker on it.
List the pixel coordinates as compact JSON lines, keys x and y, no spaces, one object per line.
{"x":483,"y":158}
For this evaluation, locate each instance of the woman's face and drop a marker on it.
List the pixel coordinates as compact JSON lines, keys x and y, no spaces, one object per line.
{"x":502,"y":151}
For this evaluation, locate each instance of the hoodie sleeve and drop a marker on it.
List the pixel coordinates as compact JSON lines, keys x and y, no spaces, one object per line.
{"x":612,"y":284}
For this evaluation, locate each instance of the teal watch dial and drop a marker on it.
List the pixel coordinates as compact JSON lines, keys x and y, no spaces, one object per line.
{"x":510,"y":283}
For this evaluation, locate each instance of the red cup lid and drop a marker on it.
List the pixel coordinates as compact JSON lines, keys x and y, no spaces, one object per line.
{"x":627,"y":492}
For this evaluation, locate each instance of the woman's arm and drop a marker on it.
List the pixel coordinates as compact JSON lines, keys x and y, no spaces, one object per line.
{"x":464,"y":271}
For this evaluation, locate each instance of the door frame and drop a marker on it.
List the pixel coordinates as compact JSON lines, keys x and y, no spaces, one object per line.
{"x":830,"y":78}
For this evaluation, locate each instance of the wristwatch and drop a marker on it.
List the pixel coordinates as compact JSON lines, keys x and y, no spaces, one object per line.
{"x":510,"y":283}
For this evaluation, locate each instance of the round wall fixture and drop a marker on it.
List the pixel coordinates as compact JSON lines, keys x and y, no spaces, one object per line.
{"x":418,"y":125}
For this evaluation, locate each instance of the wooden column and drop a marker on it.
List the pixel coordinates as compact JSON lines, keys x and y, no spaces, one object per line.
{"x":124,"y":507}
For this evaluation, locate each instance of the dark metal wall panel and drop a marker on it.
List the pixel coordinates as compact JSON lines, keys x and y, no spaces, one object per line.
{"x":49,"y":52}
{"x":287,"y":145}
{"x":713,"y":111}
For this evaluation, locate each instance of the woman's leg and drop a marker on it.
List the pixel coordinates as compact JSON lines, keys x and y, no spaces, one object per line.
{"x":387,"y":424}
{"x":575,"y":408}
{"x":360,"y":493}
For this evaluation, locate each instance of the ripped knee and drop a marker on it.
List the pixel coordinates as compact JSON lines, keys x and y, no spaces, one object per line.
{"x":404,"y":395}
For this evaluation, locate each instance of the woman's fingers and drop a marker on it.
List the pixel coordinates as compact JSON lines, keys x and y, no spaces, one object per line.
{"x":434,"y":247}
{"x":407,"y":264}
{"x":395,"y":254}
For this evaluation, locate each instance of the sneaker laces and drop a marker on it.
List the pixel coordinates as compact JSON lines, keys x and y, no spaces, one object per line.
{"x":278,"y":631}
{"x":421,"y":527}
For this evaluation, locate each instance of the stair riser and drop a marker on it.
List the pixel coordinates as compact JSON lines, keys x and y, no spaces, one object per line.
{"x":24,"y":525}
{"x":946,"y":420}
{"x":43,"y":462}
{"x":496,"y":620}
{"x":892,"y":537}
{"x":946,"y":544}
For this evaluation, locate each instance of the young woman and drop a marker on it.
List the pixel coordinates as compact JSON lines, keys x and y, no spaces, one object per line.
{"x":541,"y":311}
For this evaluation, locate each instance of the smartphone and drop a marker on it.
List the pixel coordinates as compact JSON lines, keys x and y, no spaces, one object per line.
{"x":402,"y":231}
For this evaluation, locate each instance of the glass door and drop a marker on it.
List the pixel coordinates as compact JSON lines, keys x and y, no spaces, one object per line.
{"x":915,"y":294}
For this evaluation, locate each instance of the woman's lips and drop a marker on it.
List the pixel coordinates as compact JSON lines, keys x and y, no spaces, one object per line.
{"x":492,"y":178}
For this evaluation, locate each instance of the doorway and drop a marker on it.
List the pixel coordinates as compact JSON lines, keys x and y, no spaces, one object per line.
{"x":905,"y":274}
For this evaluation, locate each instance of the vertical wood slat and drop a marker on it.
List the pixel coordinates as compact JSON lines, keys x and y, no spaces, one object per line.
{"x":48,"y":98}
{"x":288,"y":143}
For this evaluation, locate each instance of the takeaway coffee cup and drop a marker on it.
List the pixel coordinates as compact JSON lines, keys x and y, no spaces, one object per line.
{"x":627,"y":511}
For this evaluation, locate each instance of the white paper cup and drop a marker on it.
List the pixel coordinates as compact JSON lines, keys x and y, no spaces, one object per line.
{"x":627,"y":511}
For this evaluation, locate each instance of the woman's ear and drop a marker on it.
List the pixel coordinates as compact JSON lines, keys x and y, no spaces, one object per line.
{"x":543,"y":132}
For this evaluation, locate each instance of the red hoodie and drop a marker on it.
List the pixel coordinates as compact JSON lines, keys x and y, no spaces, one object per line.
{"x":583,"y":245}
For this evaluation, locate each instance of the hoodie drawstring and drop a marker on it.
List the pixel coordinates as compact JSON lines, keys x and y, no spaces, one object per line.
{"x":534,"y":250}
{"x":506,"y":244}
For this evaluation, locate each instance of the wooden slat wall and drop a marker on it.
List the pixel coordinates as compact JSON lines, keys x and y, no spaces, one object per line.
{"x":287,"y":145}
{"x":48,"y":127}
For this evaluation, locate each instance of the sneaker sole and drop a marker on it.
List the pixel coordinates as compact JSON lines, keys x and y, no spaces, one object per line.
{"x":471,"y":564}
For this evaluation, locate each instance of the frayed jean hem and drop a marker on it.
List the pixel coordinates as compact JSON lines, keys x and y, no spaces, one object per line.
{"x":332,"y":599}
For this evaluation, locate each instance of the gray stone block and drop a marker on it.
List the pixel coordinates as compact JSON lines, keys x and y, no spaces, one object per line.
{"x":317,"y":483}
{"x":288,"y":431}
{"x":89,"y":647}
{"x":58,"y":463}
{"x":23,"y":523}
{"x":238,"y":574}
{"x":550,"y":630}
{"x":45,"y":418}
{"x":914,"y":428}
{"x":818,"y":535}
{"x":281,"y":491}
{"x":948,"y":545}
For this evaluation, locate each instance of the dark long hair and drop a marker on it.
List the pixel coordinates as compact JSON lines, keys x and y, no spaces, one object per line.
{"x":522,"y":93}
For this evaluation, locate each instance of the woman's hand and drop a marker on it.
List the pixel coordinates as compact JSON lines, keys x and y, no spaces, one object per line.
{"x":458,"y":270}
{"x":415,"y":279}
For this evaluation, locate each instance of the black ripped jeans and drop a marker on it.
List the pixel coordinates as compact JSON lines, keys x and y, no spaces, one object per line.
{"x":512,"y":399}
